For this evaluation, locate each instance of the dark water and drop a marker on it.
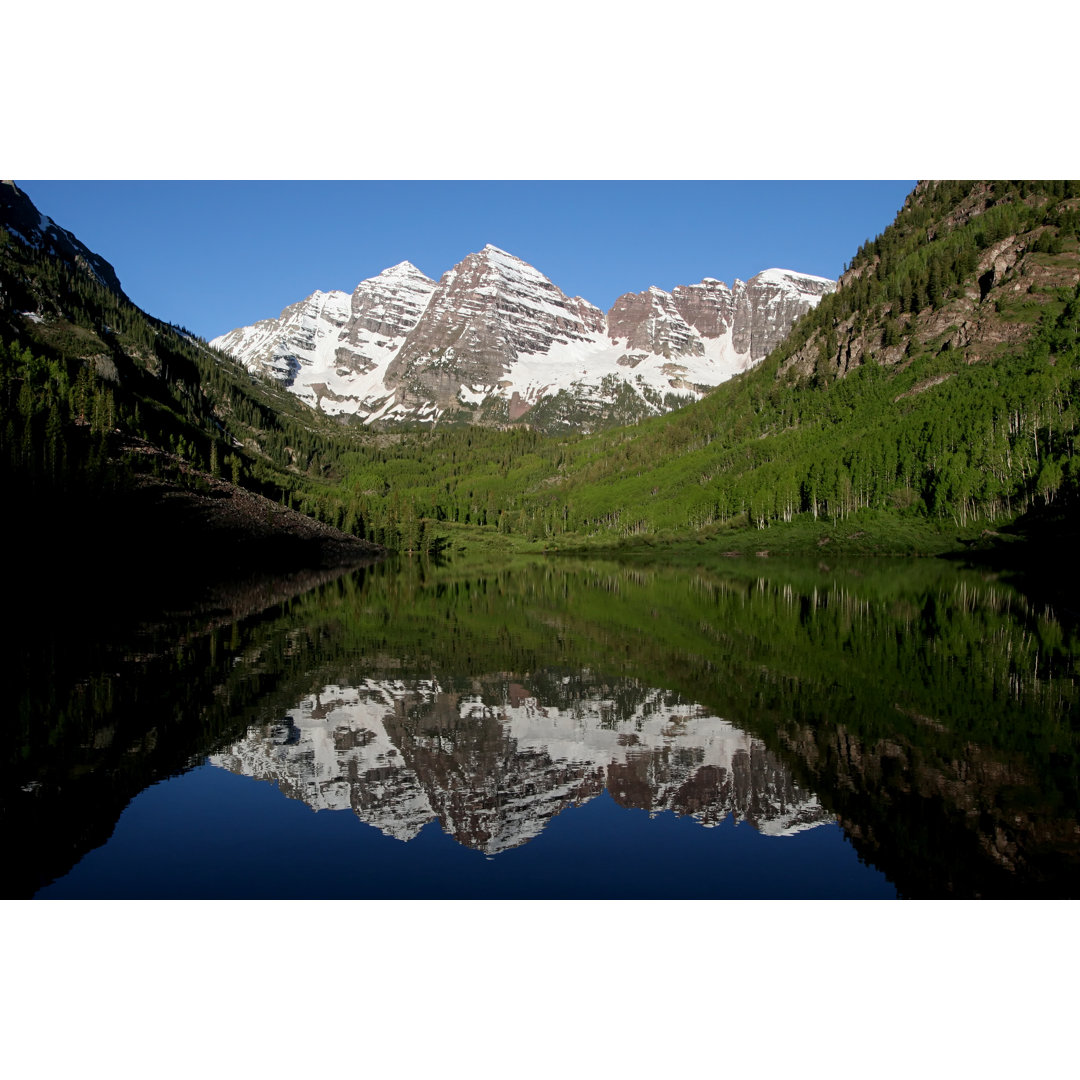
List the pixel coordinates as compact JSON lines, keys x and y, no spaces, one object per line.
{"x":563,"y":730}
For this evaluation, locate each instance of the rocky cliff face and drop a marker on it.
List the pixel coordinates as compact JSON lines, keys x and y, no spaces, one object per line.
{"x":494,"y":766}
{"x":768,"y":304}
{"x":486,"y":312}
{"x":708,"y":307}
{"x":650,"y":322}
{"x":281,"y":348}
{"x":751,"y":319}
{"x":996,"y":306}
{"x":21,"y":217}
{"x":495,"y":338}
{"x":332,"y":348}
{"x":388,"y":306}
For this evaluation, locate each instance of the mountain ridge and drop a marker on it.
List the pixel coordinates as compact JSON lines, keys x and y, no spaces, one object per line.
{"x":134,"y":427}
{"x":495,"y":336}
{"x":22,"y":218}
{"x":935,"y":388}
{"x":937,"y":383}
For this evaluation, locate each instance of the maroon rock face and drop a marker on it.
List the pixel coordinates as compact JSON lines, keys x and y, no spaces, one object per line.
{"x":758,"y":314}
{"x":768,"y":304}
{"x":488,"y":310}
{"x":591,"y":316}
{"x":456,"y":344}
{"x":650,"y":322}
{"x":391,"y":304}
{"x":708,"y":307}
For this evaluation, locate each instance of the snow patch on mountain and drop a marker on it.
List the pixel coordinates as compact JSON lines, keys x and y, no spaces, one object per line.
{"x":333,"y":348}
{"x":495,"y":337}
{"x":791,"y":280}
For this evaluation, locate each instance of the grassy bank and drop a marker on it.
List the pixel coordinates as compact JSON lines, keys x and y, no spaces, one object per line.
{"x":866,"y":534}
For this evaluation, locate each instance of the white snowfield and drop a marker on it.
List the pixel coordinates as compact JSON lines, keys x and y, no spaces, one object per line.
{"x":786,"y":278}
{"x":344,"y":748}
{"x":333,"y":350}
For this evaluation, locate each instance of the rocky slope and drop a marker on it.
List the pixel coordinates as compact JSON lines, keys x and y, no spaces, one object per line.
{"x":333,"y":348}
{"x":1010,"y":283}
{"x":494,"y":338}
{"x":23,"y":219}
{"x":127,"y":426}
{"x":493,"y":767}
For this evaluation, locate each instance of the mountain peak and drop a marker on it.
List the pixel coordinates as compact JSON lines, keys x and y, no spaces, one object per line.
{"x":778,"y":276}
{"x":495,"y":332}
{"x":506,"y":261}
{"x":403,"y":268}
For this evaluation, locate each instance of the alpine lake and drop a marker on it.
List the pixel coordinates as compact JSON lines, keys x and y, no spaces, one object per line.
{"x":558,"y":729}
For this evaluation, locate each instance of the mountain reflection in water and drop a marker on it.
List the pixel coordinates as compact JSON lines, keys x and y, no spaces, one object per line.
{"x":494,"y":765}
{"x":923,"y":718}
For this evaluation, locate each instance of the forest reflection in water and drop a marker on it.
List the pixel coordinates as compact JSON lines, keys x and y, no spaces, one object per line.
{"x":930,"y":711}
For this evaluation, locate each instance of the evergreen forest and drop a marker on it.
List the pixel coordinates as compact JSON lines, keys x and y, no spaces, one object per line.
{"x":933,"y":396}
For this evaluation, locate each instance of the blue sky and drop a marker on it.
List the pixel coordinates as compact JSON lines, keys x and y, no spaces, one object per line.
{"x":213,"y":255}
{"x":441,"y":94}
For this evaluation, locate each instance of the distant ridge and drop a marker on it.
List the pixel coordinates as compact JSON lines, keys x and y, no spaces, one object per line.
{"x":494,"y":339}
{"x":21,"y":217}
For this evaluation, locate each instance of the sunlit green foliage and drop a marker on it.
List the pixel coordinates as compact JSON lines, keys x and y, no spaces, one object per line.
{"x":934,"y":438}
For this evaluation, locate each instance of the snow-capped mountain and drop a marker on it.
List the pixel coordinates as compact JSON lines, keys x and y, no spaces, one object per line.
{"x":493,"y":767}
{"x":333,"y":348}
{"x":495,"y":337}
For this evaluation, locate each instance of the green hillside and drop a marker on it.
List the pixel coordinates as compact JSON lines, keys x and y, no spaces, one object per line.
{"x":931,"y":398}
{"x":935,"y":391}
{"x":134,"y":432}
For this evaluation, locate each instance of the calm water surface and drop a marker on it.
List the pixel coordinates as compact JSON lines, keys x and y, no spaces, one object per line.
{"x":564,"y":730}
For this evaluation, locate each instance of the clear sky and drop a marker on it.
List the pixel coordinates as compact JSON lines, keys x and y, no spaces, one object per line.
{"x":214,"y":255}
